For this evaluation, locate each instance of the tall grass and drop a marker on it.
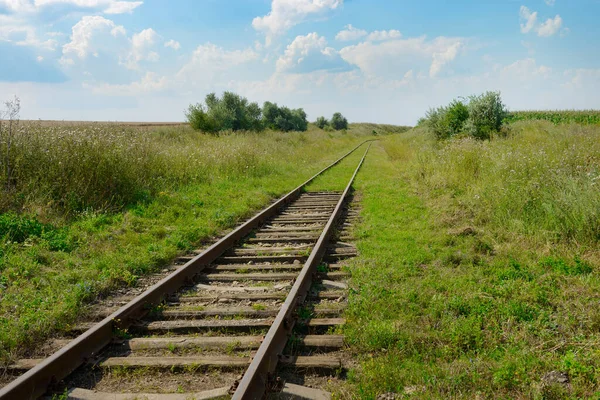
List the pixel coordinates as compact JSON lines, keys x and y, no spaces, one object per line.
{"x":541,"y":181}
{"x":478,"y":268}
{"x":107,"y":167}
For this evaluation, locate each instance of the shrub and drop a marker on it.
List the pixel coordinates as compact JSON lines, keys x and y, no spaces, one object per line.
{"x":456,"y":115}
{"x":438,"y":122}
{"x":283,"y":118}
{"x":322,"y":122}
{"x":230,"y":112}
{"x":486,"y":113}
{"x":339,"y":122}
{"x":481,"y":118}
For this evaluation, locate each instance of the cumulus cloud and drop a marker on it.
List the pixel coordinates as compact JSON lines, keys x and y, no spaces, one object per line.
{"x":83,"y":33}
{"x":141,"y":48}
{"x":350,"y":33}
{"x":173,"y":44}
{"x":550,"y":27}
{"x":309,"y":53}
{"x":529,"y":18}
{"x":285,"y":14}
{"x":529,"y":23}
{"x":392,"y":57}
{"x":384,"y":35}
{"x":443,"y":57}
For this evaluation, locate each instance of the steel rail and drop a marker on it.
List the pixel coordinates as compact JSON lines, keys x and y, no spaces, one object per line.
{"x":59,"y":365}
{"x":255,"y":381}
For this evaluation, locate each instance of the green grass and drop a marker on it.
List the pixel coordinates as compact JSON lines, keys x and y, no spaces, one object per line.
{"x":336,"y":179}
{"x":478,"y":267}
{"x":56,"y":256}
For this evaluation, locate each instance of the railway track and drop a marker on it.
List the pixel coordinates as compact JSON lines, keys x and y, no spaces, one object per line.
{"x":254,"y":315}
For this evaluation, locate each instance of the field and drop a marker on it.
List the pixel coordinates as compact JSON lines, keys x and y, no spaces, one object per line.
{"x":93,"y":207}
{"x":591,"y":117}
{"x":478,"y":268}
{"x":478,"y":274}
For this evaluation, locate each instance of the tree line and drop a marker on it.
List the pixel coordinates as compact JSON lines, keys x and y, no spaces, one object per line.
{"x":232,"y":112}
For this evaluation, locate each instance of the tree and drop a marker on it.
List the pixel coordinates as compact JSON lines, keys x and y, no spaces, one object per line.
{"x":283,"y":118}
{"x":486,"y":114}
{"x":339,"y":122}
{"x":230,"y":112}
{"x":321,"y":122}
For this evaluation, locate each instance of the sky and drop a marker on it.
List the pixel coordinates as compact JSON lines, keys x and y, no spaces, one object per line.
{"x":385,"y":61}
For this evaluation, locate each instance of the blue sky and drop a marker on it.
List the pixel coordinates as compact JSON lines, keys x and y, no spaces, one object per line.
{"x":382,"y":61}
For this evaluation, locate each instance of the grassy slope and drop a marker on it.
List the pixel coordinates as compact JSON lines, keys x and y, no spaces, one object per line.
{"x":45,"y":280}
{"x":452,"y":299}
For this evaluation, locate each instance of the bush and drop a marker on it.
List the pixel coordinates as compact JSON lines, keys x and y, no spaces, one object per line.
{"x":456,"y":116}
{"x":231,"y":112}
{"x":486,"y":113}
{"x":321,"y":122}
{"x":339,"y":122}
{"x":481,"y":118}
{"x":283,"y":118}
{"x":437,"y":122}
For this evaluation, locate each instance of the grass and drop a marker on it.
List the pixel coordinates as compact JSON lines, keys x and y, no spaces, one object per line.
{"x":477,"y":275}
{"x":95,"y":207}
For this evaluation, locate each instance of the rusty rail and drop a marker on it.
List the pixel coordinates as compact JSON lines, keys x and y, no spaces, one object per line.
{"x":256,"y":378}
{"x":59,"y":365}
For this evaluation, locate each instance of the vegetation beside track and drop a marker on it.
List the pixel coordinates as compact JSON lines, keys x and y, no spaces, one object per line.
{"x":95,"y":207}
{"x":591,"y":117}
{"x":478,"y":267}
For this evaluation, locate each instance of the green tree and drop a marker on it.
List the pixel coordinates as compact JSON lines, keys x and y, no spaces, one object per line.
{"x":339,"y":122}
{"x":486,"y":114}
{"x":230,"y":112}
{"x":456,"y":115}
{"x":321,"y":122}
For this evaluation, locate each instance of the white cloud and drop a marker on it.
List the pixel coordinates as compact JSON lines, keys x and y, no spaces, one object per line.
{"x":393,"y":57}
{"x":384,"y":35}
{"x":173,"y":44}
{"x":309,"y":49}
{"x":150,"y":82}
{"x":529,"y":17}
{"x":550,"y":2}
{"x":529,"y":22}
{"x":525,"y":69}
{"x":308,"y":53}
{"x":550,"y":27}
{"x":285,"y":14}
{"x":17,"y":6}
{"x":39,"y":58}
{"x":109,"y":6}
{"x":122,"y":7}
{"x":213,"y":67}
{"x":141,"y":48}
{"x":443,"y":57}
{"x":16,"y":30}
{"x":83,"y":32}
{"x":350,"y":33}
